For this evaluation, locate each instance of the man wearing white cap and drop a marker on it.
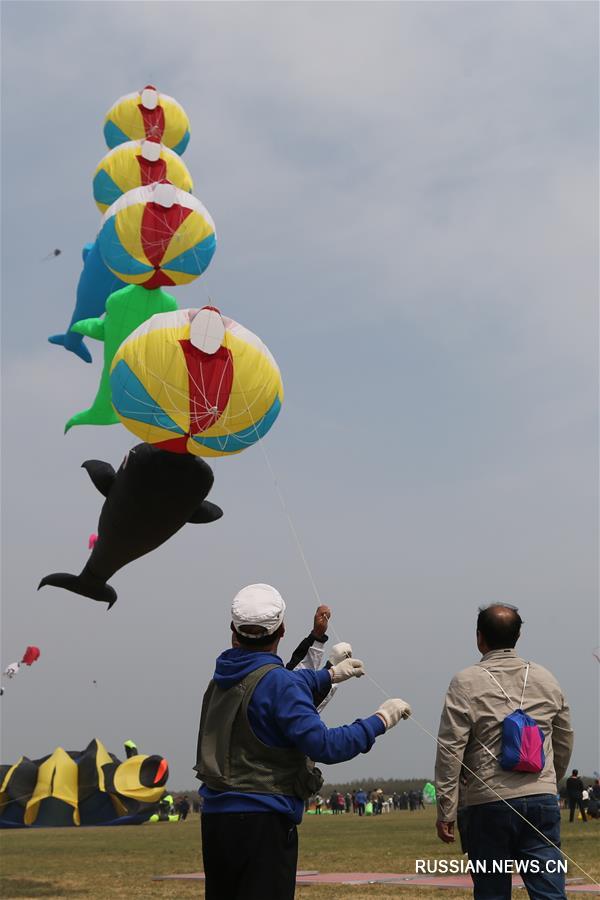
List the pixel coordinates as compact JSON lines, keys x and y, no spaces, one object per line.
{"x":259,"y":731}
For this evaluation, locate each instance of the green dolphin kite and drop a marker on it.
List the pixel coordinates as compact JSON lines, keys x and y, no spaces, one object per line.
{"x":126,"y":309}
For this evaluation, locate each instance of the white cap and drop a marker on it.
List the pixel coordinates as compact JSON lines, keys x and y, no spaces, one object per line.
{"x":257,"y":604}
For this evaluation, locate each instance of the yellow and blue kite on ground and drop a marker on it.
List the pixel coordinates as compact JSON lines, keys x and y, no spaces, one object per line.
{"x":81,"y":787}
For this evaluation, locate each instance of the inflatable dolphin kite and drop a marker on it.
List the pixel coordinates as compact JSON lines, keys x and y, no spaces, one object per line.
{"x":96,"y":283}
{"x":151,"y":496}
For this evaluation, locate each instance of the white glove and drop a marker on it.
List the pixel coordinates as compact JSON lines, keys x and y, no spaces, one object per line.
{"x":347,"y":668}
{"x":339,"y":652}
{"x":12,"y":670}
{"x":391,"y":711}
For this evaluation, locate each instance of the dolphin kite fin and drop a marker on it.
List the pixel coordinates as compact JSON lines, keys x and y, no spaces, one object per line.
{"x":93,"y":328}
{"x":97,"y":414}
{"x":206,"y":512}
{"x":85,"y":584}
{"x":101,"y":473}
{"x":75,"y":346}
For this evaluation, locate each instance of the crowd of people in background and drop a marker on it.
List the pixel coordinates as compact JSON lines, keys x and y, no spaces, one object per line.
{"x":579,"y":797}
{"x":576,"y":797}
{"x":177,"y":808}
{"x":361,"y":803}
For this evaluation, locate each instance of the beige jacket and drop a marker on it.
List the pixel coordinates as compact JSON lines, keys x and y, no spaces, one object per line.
{"x":473,"y":712}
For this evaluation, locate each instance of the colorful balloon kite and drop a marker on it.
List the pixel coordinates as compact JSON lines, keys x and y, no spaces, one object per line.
{"x":147,"y":114}
{"x":157,"y":236}
{"x":152,"y":495}
{"x":194,"y":381}
{"x":152,"y":236}
{"x":137,"y":164}
{"x":81,"y":787}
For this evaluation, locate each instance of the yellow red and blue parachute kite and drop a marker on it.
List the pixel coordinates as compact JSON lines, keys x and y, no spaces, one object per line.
{"x":147,"y":114}
{"x":193,"y":381}
{"x":157,"y":236}
{"x":135,"y":164}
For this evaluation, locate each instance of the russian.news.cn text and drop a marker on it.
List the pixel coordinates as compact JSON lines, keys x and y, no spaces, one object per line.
{"x":489,"y":867}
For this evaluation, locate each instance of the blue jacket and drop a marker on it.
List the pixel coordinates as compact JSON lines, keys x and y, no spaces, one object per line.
{"x":282,"y":714}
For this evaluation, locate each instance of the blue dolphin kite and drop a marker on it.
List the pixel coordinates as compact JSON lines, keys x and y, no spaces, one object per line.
{"x":95,"y":284}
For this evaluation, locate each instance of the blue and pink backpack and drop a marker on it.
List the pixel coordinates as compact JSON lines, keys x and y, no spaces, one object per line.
{"x":522,"y":738}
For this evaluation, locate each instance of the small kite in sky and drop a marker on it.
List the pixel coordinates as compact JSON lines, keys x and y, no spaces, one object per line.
{"x":29,"y":657}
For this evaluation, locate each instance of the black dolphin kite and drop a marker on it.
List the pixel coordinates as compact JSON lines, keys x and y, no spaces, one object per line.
{"x":152,"y":495}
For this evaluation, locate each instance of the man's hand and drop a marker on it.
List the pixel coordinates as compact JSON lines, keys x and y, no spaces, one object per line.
{"x":321,"y":621}
{"x":445,"y":831}
{"x":391,"y":711}
{"x":347,"y":668}
{"x":339,"y":652}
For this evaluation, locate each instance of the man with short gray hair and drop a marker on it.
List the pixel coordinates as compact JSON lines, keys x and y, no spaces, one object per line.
{"x":259,"y":732}
{"x":506,"y":724}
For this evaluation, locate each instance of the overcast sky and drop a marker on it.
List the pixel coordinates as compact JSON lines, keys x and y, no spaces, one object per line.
{"x":405,"y":198}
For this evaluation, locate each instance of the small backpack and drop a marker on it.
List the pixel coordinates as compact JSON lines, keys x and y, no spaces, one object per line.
{"x":522,"y":738}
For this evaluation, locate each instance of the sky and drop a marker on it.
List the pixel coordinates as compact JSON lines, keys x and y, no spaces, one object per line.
{"x":406,"y":204}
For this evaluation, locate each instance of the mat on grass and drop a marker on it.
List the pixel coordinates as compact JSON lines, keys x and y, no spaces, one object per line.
{"x":406,"y":880}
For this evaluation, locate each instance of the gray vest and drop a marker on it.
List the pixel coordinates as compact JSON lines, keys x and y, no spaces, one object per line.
{"x":231,"y":758}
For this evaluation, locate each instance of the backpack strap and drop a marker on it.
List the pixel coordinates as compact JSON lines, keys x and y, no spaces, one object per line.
{"x":493,"y":677}
{"x":524,"y":685}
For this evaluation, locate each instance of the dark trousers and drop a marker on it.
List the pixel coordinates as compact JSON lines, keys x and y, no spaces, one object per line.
{"x":573,"y":802}
{"x":249,"y":856}
{"x":462,"y":823}
{"x":497,"y":834}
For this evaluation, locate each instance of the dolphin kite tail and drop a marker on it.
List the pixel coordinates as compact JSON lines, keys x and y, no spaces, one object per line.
{"x":98,"y":414}
{"x":74,"y":343}
{"x":85,"y":584}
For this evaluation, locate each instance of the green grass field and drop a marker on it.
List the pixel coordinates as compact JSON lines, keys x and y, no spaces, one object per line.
{"x":107,"y":863}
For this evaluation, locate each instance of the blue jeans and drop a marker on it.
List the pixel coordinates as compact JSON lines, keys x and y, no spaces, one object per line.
{"x":495,"y":832}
